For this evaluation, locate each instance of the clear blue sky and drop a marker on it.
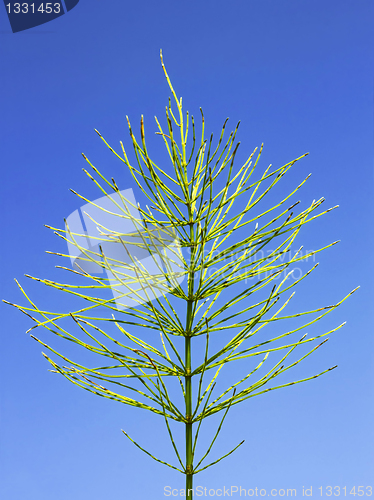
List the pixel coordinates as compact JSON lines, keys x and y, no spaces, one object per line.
{"x":299,"y":76}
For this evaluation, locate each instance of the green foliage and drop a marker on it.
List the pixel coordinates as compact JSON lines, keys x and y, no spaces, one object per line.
{"x":199,"y":217}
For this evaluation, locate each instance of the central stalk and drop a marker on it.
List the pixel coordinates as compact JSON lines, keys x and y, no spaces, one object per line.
{"x":188,"y":381}
{"x":189,"y":460}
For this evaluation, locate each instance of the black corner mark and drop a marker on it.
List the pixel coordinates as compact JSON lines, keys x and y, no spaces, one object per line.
{"x":24,"y":15}
{"x":70,"y":4}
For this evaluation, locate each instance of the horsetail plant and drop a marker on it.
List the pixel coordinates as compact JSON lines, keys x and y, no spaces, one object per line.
{"x":193,"y":216}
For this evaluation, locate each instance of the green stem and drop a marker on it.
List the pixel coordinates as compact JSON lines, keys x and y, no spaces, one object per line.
{"x":188,"y":381}
{"x":189,"y":464}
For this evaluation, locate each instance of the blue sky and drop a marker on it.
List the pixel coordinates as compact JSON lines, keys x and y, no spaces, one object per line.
{"x":298,"y":74}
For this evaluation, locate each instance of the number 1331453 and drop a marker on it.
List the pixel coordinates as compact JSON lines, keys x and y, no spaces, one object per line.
{"x":344,"y":491}
{"x":25,"y":8}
